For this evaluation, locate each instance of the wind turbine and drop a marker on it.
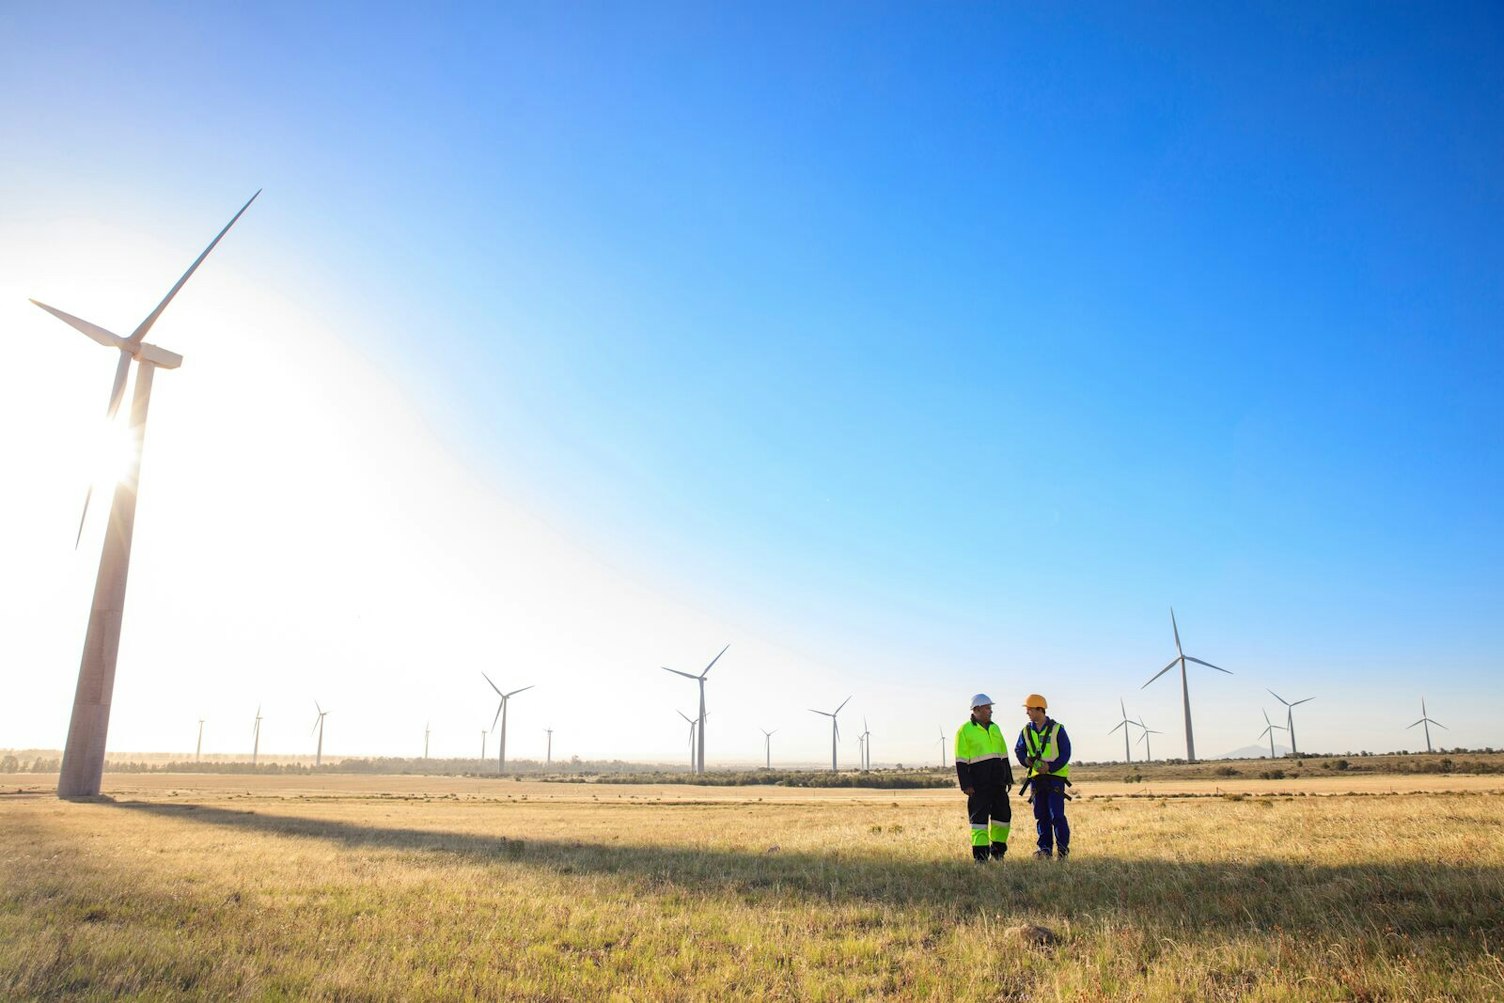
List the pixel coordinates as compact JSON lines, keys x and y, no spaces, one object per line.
{"x":767,"y":744}
{"x":1290,"y":717}
{"x":1185,"y":691}
{"x":1124,"y":725}
{"x":866,"y":746}
{"x":318,"y":726}
{"x":1270,"y":730}
{"x":83,"y":756}
{"x":944,"y":743}
{"x":1426,"y":722}
{"x":861,"y":751}
{"x":693,"y":725}
{"x":1148,"y":753}
{"x":835,"y":731}
{"x":256,"y":736}
{"x":427,"y":730}
{"x":549,"y":758}
{"x":699,"y":766}
{"x":501,"y":714}
{"x":483,"y":733}
{"x":198,"y":749}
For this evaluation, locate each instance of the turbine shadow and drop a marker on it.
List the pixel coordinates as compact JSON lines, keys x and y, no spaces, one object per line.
{"x":1157,"y":896}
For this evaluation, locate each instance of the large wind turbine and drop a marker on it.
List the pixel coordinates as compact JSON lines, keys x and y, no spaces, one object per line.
{"x":318,"y":726}
{"x":1290,"y":717}
{"x":1127,"y":755}
{"x":767,"y":744}
{"x":699,"y":766}
{"x":501,"y":714}
{"x":1269,"y":730}
{"x":1185,"y":690}
{"x":1426,"y":722}
{"x":548,"y":758}
{"x":83,"y":756}
{"x":427,"y":730}
{"x":693,"y":727}
{"x":866,"y":746}
{"x":256,"y":736}
{"x":944,"y":747}
{"x":835,"y":731}
{"x":1147,"y":731}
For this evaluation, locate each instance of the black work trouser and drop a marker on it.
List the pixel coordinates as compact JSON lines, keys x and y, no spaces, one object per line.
{"x":991,"y":815}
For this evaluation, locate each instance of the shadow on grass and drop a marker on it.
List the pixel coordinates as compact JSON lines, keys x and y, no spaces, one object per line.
{"x":1388,"y":900}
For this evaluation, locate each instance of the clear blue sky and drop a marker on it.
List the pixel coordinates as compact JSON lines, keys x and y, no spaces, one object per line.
{"x":944,"y":347}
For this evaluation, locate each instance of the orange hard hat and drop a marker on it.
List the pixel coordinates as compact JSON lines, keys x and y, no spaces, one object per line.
{"x":1035,"y":700}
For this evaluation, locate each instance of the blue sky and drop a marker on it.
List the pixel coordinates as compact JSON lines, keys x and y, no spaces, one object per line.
{"x":912,"y":350}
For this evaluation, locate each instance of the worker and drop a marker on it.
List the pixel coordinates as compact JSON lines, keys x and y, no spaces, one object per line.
{"x":1044,"y":749}
{"x":986,"y":777}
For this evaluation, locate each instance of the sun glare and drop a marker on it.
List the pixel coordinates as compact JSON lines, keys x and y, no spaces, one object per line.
{"x":114,"y":455}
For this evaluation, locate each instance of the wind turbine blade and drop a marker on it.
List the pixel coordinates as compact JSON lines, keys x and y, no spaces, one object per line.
{"x":107,"y":338}
{"x":686,"y":675}
{"x":523,"y":690}
{"x":82,"y":516}
{"x":1176,"y":628}
{"x":717,"y":658}
{"x":1162,"y":671}
{"x":493,"y":685}
{"x":498,"y":714}
{"x":1279,"y":698}
{"x":1409,"y":726}
{"x":1209,"y":665}
{"x":826,"y":713}
{"x":1440,"y":725}
{"x":140,"y":332}
{"x":320,"y":709}
{"x":843,"y":704}
{"x":685,"y":716}
{"x":117,"y":389}
{"x":1299,"y":702}
{"x":1121,"y":724}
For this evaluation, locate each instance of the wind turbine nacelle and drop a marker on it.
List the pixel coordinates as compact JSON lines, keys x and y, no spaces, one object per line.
{"x":159,"y":357}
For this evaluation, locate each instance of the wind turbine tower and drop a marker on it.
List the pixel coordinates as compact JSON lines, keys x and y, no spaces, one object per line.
{"x":835,"y":731}
{"x":1269,"y":730}
{"x":483,"y":733}
{"x":1185,"y":690}
{"x":548,"y":759}
{"x":1290,"y":717}
{"x":1426,"y":723}
{"x":199,"y":748}
{"x":501,"y":715}
{"x":866,"y":746}
{"x":318,"y":726}
{"x":699,"y":766}
{"x":83,"y":756}
{"x":256,"y":736}
{"x":1127,"y":754}
{"x":427,"y":730}
{"x":1148,"y":753}
{"x":767,"y":745}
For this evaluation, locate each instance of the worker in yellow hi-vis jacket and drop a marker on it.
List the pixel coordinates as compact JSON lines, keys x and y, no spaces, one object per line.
{"x":986,"y":777}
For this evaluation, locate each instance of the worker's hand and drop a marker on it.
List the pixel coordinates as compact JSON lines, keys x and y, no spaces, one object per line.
{"x":968,"y":791}
{"x":1042,"y":766}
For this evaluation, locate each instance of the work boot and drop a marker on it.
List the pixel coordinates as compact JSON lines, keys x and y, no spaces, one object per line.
{"x":1063,"y":853}
{"x":999,"y":850}
{"x":1042,"y":854}
{"x":979,"y":854}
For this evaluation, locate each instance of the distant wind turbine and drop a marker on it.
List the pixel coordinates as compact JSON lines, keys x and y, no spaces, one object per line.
{"x":548,"y":758}
{"x":944,"y":747}
{"x":318,"y":726}
{"x":83,"y":756}
{"x":1290,"y":717}
{"x":483,"y":733}
{"x":256,"y":736}
{"x":1148,"y":755}
{"x":501,"y":715}
{"x":198,"y":749}
{"x":1426,"y":723}
{"x":428,"y":730}
{"x":767,"y":744}
{"x":835,"y":731}
{"x":1124,"y":725}
{"x":1185,"y":690}
{"x":866,"y":746}
{"x":699,"y":766}
{"x":1270,"y":730}
{"x":694,"y":725}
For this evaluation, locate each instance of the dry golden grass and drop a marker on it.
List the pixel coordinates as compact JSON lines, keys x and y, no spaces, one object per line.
{"x":356,"y":888}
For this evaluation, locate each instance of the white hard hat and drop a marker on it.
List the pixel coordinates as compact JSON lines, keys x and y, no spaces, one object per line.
{"x":980,"y":700}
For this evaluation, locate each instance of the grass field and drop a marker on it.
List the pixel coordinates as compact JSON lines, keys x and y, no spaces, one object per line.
{"x":357,"y":888}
